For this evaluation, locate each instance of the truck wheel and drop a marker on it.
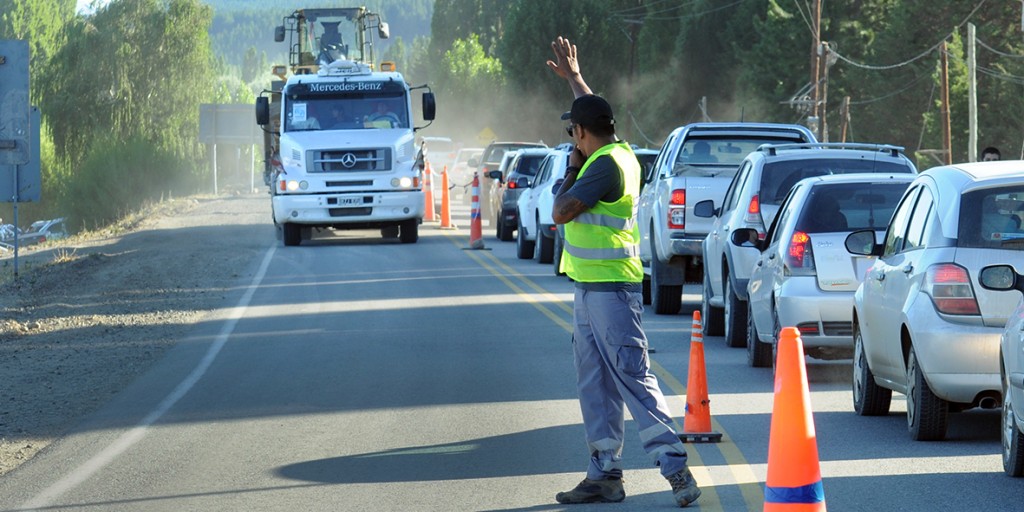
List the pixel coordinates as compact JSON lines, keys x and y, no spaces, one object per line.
{"x":292,"y":234}
{"x":524,"y":247}
{"x":927,"y":414}
{"x":667,"y":299}
{"x":556,"y":255}
{"x":712,"y":318}
{"x":544,"y":247}
{"x":735,"y":317}
{"x":759,"y":355}
{"x":409,"y":231}
{"x":389,"y":232}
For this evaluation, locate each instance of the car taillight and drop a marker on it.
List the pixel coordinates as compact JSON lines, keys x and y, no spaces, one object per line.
{"x":949,"y":286}
{"x":677,"y":209}
{"x":753,"y":217}
{"x":799,"y":257}
{"x":511,"y":184}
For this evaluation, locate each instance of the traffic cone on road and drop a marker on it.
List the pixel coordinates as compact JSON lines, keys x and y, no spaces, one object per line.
{"x":476,"y":236}
{"x":697,"y":422}
{"x":446,"y":212}
{"x":428,"y":194}
{"x":794,"y":473}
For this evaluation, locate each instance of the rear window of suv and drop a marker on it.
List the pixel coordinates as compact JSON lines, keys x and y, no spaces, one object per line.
{"x":527,"y":164}
{"x":494,"y":152}
{"x":850,"y":206}
{"x":777,"y":178}
{"x":706,"y":156}
{"x":992,"y":218}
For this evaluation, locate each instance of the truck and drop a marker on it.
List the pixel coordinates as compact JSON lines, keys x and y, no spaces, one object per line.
{"x":697,"y":162}
{"x":339,"y":143}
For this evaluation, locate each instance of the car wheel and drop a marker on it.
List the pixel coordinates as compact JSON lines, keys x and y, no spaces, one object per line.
{"x":556,"y":256}
{"x":1013,"y":438}
{"x":735,"y":317}
{"x":504,"y":230}
{"x":645,"y":291}
{"x":759,"y":355}
{"x":713,"y":319}
{"x":927,"y":414}
{"x":292,"y":234}
{"x":524,"y":247}
{"x":666,"y":299}
{"x":544,"y":246}
{"x":409,"y":231}
{"x":869,"y":399}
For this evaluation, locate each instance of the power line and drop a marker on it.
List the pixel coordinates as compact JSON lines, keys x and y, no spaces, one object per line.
{"x":804,"y":16}
{"x":997,"y":52}
{"x":894,"y":93}
{"x":695,"y":15}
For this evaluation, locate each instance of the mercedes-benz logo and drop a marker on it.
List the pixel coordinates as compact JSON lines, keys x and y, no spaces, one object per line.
{"x":348,"y":160}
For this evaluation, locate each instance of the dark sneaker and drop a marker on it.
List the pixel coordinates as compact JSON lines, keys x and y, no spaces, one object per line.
{"x":594,"y":491}
{"x":684,"y":487}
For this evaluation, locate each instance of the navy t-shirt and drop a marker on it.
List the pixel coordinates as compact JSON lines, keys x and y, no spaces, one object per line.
{"x":601,"y":182}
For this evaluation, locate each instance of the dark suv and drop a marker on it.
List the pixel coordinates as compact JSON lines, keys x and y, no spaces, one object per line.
{"x":519,"y":175}
{"x":490,"y":161}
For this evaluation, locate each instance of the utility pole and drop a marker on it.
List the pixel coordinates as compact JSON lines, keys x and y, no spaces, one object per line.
{"x":823,"y":114}
{"x":815,"y":60}
{"x":947,"y":145}
{"x":972,"y":95}
{"x":844,"y":115}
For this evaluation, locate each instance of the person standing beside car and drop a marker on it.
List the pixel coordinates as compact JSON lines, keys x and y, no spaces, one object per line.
{"x":597,"y":204}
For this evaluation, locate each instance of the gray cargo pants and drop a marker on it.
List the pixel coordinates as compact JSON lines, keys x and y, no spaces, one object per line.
{"x":612,"y":369}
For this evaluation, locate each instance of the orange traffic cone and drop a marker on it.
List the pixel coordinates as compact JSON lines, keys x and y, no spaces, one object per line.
{"x":697,"y":422}
{"x":446,"y":212}
{"x":794,"y":475}
{"x":428,"y":194}
{"x":476,"y":236}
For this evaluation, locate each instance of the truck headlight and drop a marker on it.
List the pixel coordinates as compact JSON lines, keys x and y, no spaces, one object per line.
{"x":294,"y":185}
{"x":403,"y":182}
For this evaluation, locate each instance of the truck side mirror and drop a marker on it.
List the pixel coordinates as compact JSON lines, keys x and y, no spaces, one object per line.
{"x":383,"y":31}
{"x":429,"y":106}
{"x":263,"y":111}
{"x":279,"y":33}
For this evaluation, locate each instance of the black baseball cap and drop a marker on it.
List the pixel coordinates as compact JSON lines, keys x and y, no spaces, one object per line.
{"x":590,"y":110}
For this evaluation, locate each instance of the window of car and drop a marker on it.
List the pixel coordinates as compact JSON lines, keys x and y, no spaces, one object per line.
{"x":992,"y":218}
{"x":735,"y":186}
{"x":898,"y":227}
{"x":780,"y":220}
{"x":527,"y":164}
{"x":660,"y":162}
{"x":918,"y":220}
{"x":545,"y":169}
{"x":780,"y":176}
{"x":834,"y":207}
{"x":717,"y":156}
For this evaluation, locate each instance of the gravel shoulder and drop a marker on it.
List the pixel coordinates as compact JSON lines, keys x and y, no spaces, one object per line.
{"x":87,"y":315}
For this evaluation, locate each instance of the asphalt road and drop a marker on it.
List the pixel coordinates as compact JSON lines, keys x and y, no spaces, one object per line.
{"x":355,"y":373}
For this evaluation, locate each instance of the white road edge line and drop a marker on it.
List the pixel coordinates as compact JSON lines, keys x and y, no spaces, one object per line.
{"x":129,"y":438}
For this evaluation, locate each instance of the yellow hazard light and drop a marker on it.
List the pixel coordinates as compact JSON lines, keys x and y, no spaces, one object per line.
{"x":279,"y":70}
{"x":387,"y":66}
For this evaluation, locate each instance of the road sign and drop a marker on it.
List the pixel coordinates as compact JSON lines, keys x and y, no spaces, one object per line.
{"x":14,"y":107}
{"x":228,"y":124}
{"x":23,"y":183}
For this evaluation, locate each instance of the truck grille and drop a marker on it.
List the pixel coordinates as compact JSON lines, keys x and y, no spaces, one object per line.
{"x":350,"y":160}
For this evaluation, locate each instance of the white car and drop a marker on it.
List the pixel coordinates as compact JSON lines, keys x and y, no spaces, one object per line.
{"x":752,"y":200}
{"x":461,"y":174}
{"x":440,"y":153}
{"x":536,"y":230}
{"x":804,"y":277}
{"x":1011,"y":367}
{"x":922,"y":324}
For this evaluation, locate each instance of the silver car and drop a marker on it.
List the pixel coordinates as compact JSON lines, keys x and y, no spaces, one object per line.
{"x":922,"y":324}
{"x":805,"y":277}
{"x":1011,"y":367}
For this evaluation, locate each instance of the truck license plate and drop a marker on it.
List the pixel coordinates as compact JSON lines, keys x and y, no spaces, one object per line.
{"x":348,"y":201}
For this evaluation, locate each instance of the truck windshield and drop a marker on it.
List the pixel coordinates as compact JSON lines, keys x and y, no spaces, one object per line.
{"x":348,"y":111}
{"x":717,"y":156}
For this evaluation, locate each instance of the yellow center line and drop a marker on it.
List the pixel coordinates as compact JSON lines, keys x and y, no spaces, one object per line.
{"x":749,"y":486}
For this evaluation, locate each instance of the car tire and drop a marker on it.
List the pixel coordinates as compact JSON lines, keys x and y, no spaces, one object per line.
{"x":735,"y":317}
{"x":869,"y":399}
{"x":759,"y":355}
{"x":712,"y":318}
{"x":666,"y":299}
{"x":927,"y":414}
{"x":544,"y":247}
{"x":292,"y":234}
{"x":1012,"y":437}
{"x":409,"y":231}
{"x":504,"y":230}
{"x":556,"y":256}
{"x":524,"y":247}
{"x":645,"y":290}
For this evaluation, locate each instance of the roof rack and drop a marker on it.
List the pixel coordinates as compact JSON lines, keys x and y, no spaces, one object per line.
{"x":773,"y":148}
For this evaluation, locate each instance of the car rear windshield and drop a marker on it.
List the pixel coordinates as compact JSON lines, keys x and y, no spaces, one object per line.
{"x":992,"y":218}
{"x":850,"y":206}
{"x":717,"y":156}
{"x":527,"y":165}
{"x":777,"y":178}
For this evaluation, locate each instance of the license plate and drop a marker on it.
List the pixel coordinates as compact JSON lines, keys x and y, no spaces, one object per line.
{"x":349,"y":201}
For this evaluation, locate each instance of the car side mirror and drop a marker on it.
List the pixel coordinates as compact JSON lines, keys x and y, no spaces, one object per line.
{"x":1001,"y":278}
{"x":863,"y":243}
{"x":494,"y":175}
{"x":745,"y":237}
{"x":705,"y":209}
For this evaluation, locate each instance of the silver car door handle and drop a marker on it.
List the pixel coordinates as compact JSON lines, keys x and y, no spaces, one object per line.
{"x":880,"y":276}
{"x":908,"y":269}
{"x":771,"y":256}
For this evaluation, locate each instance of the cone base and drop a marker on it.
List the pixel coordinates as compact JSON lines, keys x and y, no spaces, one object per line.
{"x":700,"y":437}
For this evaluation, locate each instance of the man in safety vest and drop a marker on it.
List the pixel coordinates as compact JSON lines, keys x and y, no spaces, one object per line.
{"x":597,"y":204}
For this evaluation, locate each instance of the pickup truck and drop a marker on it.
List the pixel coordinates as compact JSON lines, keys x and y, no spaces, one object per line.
{"x":697,"y":162}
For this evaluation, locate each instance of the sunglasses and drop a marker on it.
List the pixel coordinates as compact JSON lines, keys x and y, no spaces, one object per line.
{"x":570,"y":129}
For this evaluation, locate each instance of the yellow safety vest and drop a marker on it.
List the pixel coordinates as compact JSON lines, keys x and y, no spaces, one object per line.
{"x":602,"y":244}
